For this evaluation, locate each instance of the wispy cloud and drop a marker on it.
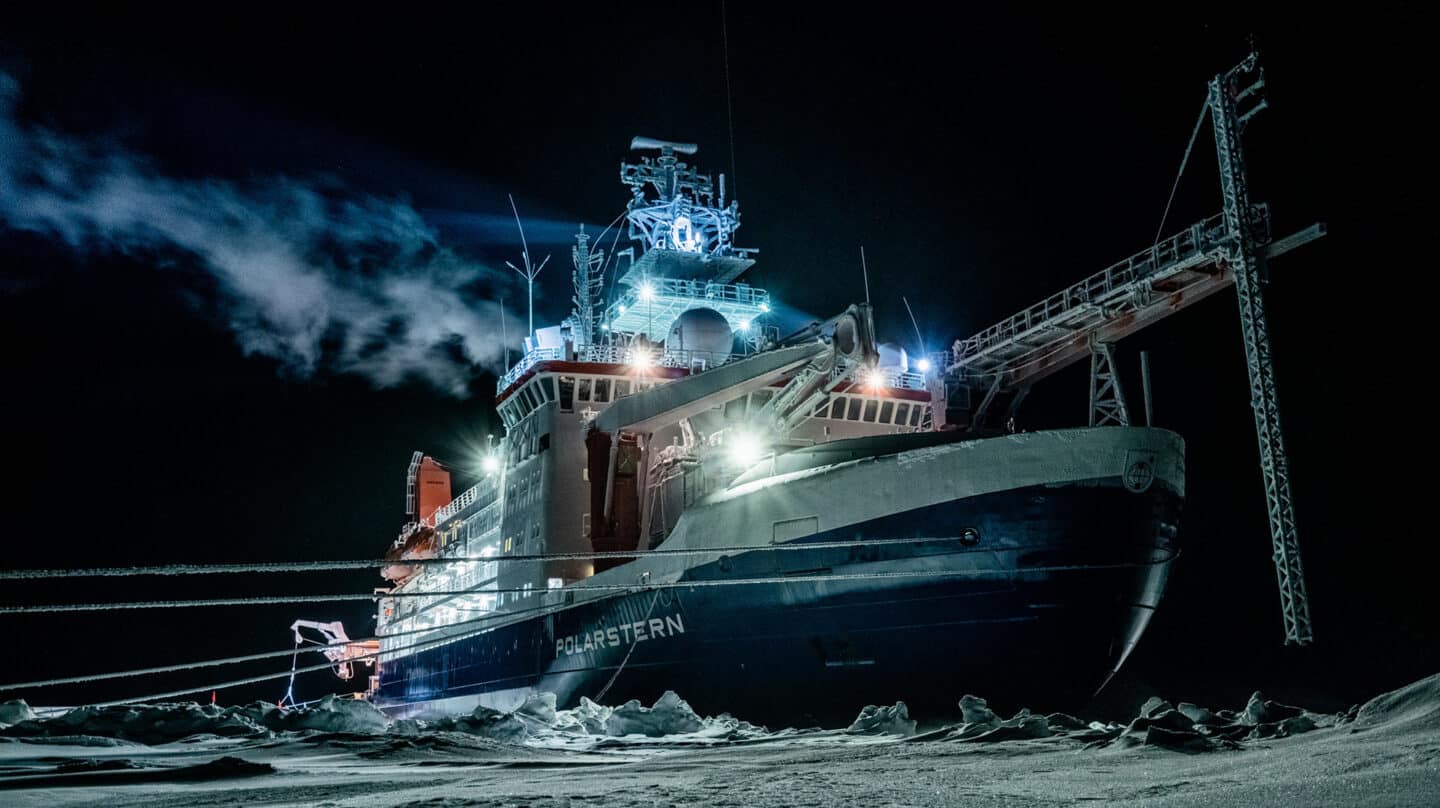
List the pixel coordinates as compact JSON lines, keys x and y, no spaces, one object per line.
{"x":310,"y":274}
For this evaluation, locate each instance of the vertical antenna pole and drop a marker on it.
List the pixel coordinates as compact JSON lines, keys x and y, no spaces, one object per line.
{"x":865,"y":272}
{"x":1145,"y":387}
{"x":919,"y":340}
{"x":504,"y":339}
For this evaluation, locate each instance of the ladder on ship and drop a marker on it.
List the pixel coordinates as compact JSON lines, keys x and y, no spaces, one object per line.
{"x":988,"y":375}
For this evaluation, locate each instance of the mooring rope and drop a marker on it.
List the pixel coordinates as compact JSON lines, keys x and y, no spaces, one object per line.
{"x":262,"y":600}
{"x":361,"y":564}
{"x":458,"y":636}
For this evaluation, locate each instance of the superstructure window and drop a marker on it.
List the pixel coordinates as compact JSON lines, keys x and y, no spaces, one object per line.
{"x":871,"y":406}
{"x":584,"y":393}
{"x":887,"y":412}
{"x":854,"y":414}
{"x":547,"y":389}
{"x":915,"y":415}
{"x":622,"y":388}
{"x":567,"y":394}
{"x":602,"y":391}
{"x":902,"y":413}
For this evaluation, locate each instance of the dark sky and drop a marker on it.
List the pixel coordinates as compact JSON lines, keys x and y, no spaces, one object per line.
{"x":982,"y":163}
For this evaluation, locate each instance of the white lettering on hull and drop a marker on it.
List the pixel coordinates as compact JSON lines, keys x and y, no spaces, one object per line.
{"x":656,"y":628}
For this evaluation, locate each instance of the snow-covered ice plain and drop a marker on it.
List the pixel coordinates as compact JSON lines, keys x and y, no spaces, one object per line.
{"x":344,"y":753}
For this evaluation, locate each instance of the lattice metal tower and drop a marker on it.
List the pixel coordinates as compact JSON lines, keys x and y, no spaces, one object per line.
{"x":1107,"y":400}
{"x":588,"y":282}
{"x":1228,"y":91}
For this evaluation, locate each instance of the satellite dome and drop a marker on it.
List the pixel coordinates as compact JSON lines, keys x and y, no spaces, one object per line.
{"x":704,"y":331}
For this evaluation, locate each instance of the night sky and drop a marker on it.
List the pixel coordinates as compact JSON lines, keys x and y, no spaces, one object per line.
{"x":150,"y":416}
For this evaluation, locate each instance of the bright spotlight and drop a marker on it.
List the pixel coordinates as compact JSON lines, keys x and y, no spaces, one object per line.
{"x":764,"y":306}
{"x":622,"y":308}
{"x":490,"y":464}
{"x":641,"y":359}
{"x":745,"y":326}
{"x":647,"y":292}
{"x":872,"y":379}
{"x":745,"y":449}
{"x":923,"y":365}
{"x":604,"y":326}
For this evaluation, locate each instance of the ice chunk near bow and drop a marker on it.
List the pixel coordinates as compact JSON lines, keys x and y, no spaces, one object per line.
{"x":875,"y":720}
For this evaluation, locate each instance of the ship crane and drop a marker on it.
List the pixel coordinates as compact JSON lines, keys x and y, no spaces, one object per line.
{"x":988,"y":375}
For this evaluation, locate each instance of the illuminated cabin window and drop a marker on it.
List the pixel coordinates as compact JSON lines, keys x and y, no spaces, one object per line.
{"x":871,"y":406}
{"x":567,"y":394}
{"x":887,"y":412}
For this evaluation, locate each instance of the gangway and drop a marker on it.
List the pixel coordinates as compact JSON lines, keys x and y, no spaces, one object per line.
{"x":987,"y":375}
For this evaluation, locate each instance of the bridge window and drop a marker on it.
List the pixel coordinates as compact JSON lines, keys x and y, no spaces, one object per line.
{"x":871,"y":405}
{"x":547,"y":389}
{"x":887,"y":412}
{"x":915,"y":415}
{"x":902,"y":413}
{"x":622,"y":388}
{"x":854,"y":414}
{"x":567,"y":394}
{"x":584,"y":394}
{"x":602,"y":391}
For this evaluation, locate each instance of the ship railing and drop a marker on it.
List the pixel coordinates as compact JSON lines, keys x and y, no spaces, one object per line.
{"x":529,"y":360}
{"x":1189,"y":246}
{"x":658,"y":356}
{"x":901,"y":380}
{"x":485,"y":489}
{"x":738,"y":293}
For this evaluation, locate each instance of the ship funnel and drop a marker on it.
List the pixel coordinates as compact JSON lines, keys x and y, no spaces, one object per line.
{"x":639,"y":142}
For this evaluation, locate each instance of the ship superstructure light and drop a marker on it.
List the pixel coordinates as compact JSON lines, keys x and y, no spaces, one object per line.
{"x":745,"y":448}
{"x":490,"y":464}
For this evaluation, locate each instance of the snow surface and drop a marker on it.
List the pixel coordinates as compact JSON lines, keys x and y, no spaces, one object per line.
{"x":344,"y":753}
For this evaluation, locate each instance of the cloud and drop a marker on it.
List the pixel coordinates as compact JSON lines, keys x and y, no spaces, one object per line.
{"x":311,"y":274}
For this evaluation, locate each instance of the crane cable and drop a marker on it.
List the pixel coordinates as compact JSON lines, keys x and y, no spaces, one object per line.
{"x":1200,"y":121}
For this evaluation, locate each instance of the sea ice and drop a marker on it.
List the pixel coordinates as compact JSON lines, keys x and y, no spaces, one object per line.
{"x":893,"y":720}
{"x":671,"y":715}
{"x":15,"y":711}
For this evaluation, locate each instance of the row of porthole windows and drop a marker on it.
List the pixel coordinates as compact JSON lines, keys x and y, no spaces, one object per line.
{"x":871,"y":411}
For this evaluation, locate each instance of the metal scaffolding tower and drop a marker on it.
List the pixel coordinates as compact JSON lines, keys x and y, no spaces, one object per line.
{"x":1002,"y":362}
{"x":1107,"y":400}
{"x":1228,"y":92}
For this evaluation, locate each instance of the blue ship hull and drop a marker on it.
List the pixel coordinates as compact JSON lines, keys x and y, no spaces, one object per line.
{"x":1029,"y":596}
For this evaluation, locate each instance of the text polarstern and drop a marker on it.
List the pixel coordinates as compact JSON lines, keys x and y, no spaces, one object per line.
{"x":624,"y":634}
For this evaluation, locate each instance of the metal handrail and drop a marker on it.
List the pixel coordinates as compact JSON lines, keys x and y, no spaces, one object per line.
{"x":1196,"y":240}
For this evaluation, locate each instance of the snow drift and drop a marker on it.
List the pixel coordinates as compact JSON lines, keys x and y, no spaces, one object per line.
{"x":1185,"y":727}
